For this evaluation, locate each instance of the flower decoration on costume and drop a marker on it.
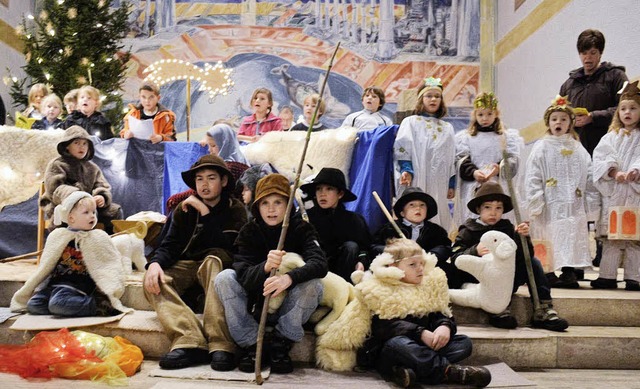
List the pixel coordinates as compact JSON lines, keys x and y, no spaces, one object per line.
{"x":485,"y":101}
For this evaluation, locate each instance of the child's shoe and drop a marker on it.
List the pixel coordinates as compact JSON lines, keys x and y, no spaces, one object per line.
{"x":403,"y":376}
{"x":631,"y":285}
{"x":247,"y":361}
{"x":504,"y":320}
{"x":279,"y":354}
{"x":477,"y":376}
{"x":568,"y":279}
{"x":604,"y":283}
{"x":548,"y":318}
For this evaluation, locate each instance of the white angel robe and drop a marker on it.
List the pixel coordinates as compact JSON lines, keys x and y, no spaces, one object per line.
{"x":484,"y":149}
{"x":561,"y":198}
{"x":429,"y":144}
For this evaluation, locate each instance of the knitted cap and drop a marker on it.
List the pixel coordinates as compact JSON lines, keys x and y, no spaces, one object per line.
{"x":61,"y":211}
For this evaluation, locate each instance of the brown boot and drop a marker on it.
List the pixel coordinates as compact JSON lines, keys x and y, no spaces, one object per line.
{"x":477,"y":376}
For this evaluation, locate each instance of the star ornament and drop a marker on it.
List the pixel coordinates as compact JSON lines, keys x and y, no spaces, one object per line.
{"x":213,"y":79}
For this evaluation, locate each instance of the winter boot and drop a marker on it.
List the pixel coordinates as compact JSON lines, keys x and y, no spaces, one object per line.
{"x":247,"y":361}
{"x":279,"y":356}
{"x":504,"y":320}
{"x":547,"y":318}
{"x":568,"y":279}
{"x":477,"y":376}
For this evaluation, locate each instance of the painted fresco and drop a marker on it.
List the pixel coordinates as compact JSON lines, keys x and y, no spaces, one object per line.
{"x":285,"y":46}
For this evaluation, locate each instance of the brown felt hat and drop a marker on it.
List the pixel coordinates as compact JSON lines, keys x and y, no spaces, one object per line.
{"x":208,"y":162}
{"x":271,"y":184}
{"x":489,"y":191}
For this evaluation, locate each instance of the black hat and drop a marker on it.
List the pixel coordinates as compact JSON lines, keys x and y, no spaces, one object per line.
{"x":208,"y":161}
{"x":414,"y":193}
{"x":489,"y":191}
{"x":332,"y":177}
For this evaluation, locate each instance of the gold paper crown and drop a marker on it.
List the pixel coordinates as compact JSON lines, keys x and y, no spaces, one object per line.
{"x":630,"y":91}
{"x":559,"y":104}
{"x":485,"y":101}
{"x":430,"y":83}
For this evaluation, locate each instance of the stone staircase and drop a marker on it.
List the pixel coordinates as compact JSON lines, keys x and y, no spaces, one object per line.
{"x":604,"y":330}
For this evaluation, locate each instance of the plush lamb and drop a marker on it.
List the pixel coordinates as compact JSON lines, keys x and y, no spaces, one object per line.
{"x":336,"y":295}
{"x":132,"y":250}
{"x":494,"y":271}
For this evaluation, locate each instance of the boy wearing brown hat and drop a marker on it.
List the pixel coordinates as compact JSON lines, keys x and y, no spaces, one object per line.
{"x":242,"y":289}
{"x":490,"y":203}
{"x":344,"y":235}
{"x":73,"y":171}
{"x":195,"y":249}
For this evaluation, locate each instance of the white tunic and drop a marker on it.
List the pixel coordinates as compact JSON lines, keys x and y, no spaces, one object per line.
{"x":430,"y":146}
{"x":366,"y":120}
{"x":484,"y":149}
{"x":620,"y":150}
{"x":561,"y":198}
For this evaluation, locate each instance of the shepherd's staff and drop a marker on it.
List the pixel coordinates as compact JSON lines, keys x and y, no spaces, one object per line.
{"x":523,"y":239}
{"x":387,"y":214}
{"x":285,"y":223}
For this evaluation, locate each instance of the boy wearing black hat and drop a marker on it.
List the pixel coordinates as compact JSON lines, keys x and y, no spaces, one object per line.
{"x":195,"y":249}
{"x":344,"y":235}
{"x":489,"y":203}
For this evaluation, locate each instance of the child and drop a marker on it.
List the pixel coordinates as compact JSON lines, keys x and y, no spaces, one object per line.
{"x":262,"y":120}
{"x":479,"y":150}
{"x":489,"y":204}
{"x":414,"y":209}
{"x":80,"y":273}
{"x":51,"y":107}
{"x":246,"y":285}
{"x":370,"y":117}
{"x":404,"y":306}
{"x":344,"y":235}
{"x":424,"y":150}
{"x":616,"y":172}
{"x":150,"y":109}
{"x":310,"y":103}
{"x":286,"y":117}
{"x":88,"y":116}
{"x":560,"y":191}
{"x":71,"y":101}
{"x":73,"y":171}
{"x":36,"y":94}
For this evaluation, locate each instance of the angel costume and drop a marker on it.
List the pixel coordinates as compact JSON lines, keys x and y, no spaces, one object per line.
{"x":620,"y":150}
{"x":561,"y":198}
{"x":480,"y":152}
{"x":428,"y":144}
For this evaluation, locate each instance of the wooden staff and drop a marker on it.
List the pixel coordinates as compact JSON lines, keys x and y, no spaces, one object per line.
{"x":285,"y":223}
{"x":388,"y":215}
{"x":523,"y":239}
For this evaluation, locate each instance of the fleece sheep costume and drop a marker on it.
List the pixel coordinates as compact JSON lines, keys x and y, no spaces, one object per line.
{"x":384,"y":295}
{"x":100,"y":256}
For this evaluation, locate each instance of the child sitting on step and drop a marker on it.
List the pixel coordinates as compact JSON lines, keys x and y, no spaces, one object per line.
{"x":80,"y":273}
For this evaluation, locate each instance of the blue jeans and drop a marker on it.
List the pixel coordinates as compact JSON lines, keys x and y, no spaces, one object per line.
{"x":62,"y":301}
{"x":429,"y":365}
{"x":298,"y":305}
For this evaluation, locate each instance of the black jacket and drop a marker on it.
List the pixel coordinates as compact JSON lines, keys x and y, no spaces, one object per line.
{"x":432,"y":238}
{"x":95,"y":124}
{"x":471,"y":231}
{"x":255,"y":241}
{"x":191,"y":235}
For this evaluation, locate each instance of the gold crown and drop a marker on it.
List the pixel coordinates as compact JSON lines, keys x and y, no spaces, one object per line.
{"x":559,"y":104}
{"x":485,"y":101}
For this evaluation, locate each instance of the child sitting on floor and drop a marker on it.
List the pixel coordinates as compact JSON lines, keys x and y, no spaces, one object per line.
{"x":81,"y":273}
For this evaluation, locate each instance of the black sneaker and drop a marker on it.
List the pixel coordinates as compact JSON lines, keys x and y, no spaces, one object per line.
{"x":477,"y":376}
{"x":223,"y":361}
{"x":631,"y":285}
{"x":548,"y":319}
{"x":604,"y":283}
{"x":279,"y":354}
{"x":247,"y":362}
{"x":403,"y":376}
{"x":504,"y":320}
{"x":184,"y":357}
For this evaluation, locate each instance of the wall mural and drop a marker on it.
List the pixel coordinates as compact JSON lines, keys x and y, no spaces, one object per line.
{"x":285,"y":46}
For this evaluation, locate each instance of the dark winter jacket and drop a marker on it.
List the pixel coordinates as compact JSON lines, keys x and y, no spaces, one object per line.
{"x":409,"y":326}
{"x":255,"y":241}
{"x":432,"y":238}
{"x":43,"y":124}
{"x":471,"y":231}
{"x":598,"y":93}
{"x":96,"y":124}
{"x":191,"y":235}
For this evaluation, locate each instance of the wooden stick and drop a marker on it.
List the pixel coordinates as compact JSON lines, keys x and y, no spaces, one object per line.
{"x":285,"y":223}
{"x":388,"y":215}
{"x":41,"y":224}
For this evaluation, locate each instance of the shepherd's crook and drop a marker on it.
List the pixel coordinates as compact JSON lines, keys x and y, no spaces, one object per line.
{"x":387,"y":214}
{"x":285,"y":224}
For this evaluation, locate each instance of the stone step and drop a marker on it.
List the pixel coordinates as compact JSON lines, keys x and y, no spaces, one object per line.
{"x":580,"y":347}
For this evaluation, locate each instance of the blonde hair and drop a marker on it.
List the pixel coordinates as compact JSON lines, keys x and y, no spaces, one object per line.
{"x":266,"y":92}
{"x":51,"y":98}
{"x":71,"y":97}
{"x":497,"y":125}
{"x":401,"y":248}
{"x":616,"y":123}
{"x":93,"y":93}
{"x":35,"y":88}
{"x":315,"y":98}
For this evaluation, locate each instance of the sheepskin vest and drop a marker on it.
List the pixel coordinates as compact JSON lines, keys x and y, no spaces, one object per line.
{"x":104,"y":264}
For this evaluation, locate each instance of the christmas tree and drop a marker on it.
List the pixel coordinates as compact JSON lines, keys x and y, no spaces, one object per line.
{"x":72,"y":43}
